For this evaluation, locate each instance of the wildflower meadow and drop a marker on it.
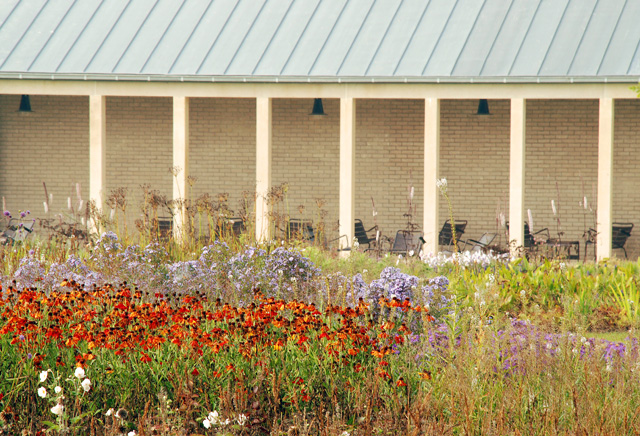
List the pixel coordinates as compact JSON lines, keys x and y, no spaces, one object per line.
{"x":232,"y":337}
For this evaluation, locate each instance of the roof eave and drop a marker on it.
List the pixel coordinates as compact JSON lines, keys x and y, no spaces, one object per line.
{"x":320,"y":79}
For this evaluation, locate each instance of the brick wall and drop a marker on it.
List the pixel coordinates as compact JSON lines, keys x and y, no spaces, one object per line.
{"x":51,"y":145}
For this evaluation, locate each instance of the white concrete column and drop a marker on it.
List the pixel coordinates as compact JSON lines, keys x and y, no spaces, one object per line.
{"x":347,"y":170}
{"x":516,"y":176}
{"x":605,"y":177}
{"x":431,"y":171}
{"x":180,"y":162}
{"x":263,"y":166}
{"x":97,"y":153}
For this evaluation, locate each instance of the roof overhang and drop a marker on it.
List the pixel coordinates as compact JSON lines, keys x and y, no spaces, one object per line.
{"x":631,"y":80}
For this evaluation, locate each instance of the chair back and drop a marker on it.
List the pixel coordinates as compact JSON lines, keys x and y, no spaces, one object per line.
{"x":406,"y":241}
{"x":300,"y":229}
{"x":446,"y":235}
{"x":620,"y":233}
{"x":361,"y":234}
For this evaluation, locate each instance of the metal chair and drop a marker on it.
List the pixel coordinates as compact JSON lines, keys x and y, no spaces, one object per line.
{"x":445,"y":238}
{"x":407,"y":242}
{"x":363,"y":236}
{"x":16,"y":231}
{"x":620,"y":232}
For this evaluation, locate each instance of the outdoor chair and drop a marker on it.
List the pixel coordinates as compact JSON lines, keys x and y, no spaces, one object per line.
{"x":300,"y":229}
{"x":445,"y":238}
{"x":533,"y":240}
{"x":407,"y":242}
{"x":16,"y":231}
{"x":483,"y":243}
{"x":620,"y":232}
{"x":230,"y":227}
{"x":365,"y":237}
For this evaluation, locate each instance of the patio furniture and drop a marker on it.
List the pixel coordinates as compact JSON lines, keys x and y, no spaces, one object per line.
{"x":407,"y":242}
{"x":300,"y":229}
{"x":364,"y":237}
{"x":620,"y":232}
{"x":233,"y":226}
{"x":16,"y":231}
{"x":445,"y":238}
{"x":484,"y":243}
{"x":564,"y":249}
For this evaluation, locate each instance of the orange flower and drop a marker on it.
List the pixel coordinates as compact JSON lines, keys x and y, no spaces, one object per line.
{"x":400,"y":382}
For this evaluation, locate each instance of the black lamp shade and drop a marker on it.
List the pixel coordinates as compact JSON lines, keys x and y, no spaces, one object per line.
{"x":25,"y":104}
{"x":483,"y":107}
{"x":317,"y":107}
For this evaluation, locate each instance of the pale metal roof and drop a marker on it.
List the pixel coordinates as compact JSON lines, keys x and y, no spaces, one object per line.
{"x":322,"y":40}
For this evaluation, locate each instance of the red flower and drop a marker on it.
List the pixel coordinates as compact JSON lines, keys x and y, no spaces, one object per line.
{"x":400,"y":382}
{"x":195,"y":372}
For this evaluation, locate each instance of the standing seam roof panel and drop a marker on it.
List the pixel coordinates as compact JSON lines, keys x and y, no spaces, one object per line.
{"x":453,"y":38}
{"x":481,"y":38}
{"x":369,"y":38}
{"x":397,"y":37}
{"x":90,"y":39}
{"x":260,"y":35}
{"x":538,"y":38}
{"x":512,"y":33}
{"x":623,"y":44}
{"x":7,"y":9}
{"x":567,"y":39}
{"x":57,"y":27}
{"x":422,"y":45}
{"x":67,"y":32}
{"x":231,"y":37}
{"x":203,"y":37}
{"x":314,"y":38}
{"x":287,"y":37}
{"x":148,"y":36}
{"x":15,"y":54}
{"x":341,"y":38}
{"x":359,"y":40}
{"x":597,"y":37}
{"x":174,"y":43}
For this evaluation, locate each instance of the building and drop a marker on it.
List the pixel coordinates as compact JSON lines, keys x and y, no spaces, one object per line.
{"x":121,"y":91}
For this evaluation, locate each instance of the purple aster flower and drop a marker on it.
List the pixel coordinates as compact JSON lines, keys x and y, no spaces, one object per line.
{"x":7,"y":213}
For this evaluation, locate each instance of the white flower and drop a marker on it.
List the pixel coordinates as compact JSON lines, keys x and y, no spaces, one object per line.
{"x":43,"y":376}
{"x":79,"y":372}
{"x":206,"y":423}
{"x":411,"y":252}
{"x":58,"y":409}
{"x":553,"y":207}
{"x":411,"y":192}
{"x":523,"y":293}
{"x":58,"y":389}
{"x":132,"y":433}
{"x":242,"y":419}
{"x":42,"y":392}
{"x":109,"y":412}
{"x":584,"y":203}
{"x":214,"y":417}
{"x":441,"y":183}
{"x":86,"y":384}
{"x":46,"y":207}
